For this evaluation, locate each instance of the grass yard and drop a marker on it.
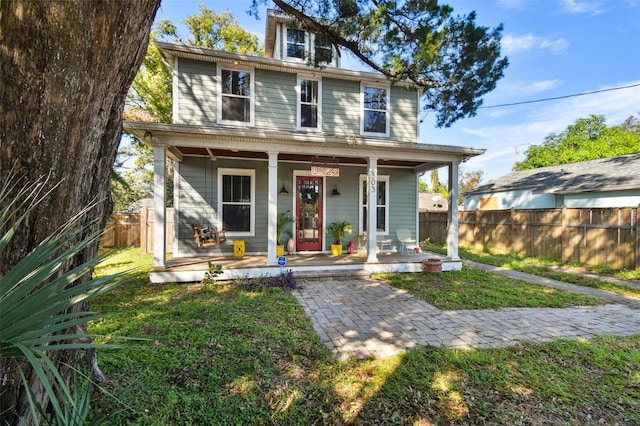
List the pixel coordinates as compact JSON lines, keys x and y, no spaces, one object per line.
{"x":475,"y":289}
{"x":238,"y":353}
{"x":549,"y":268}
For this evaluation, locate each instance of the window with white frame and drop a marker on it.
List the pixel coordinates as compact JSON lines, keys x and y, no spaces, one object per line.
{"x":235,"y":96}
{"x":236,"y":201}
{"x":323,"y":50}
{"x":296,"y":43}
{"x":382,"y":204}
{"x":309,"y":105}
{"x":375,"y":110}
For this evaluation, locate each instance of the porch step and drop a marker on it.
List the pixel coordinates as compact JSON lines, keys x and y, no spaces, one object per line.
{"x":328,"y":275}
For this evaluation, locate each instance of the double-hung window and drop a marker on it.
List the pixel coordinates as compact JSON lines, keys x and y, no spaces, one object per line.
{"x":323,"y":50}
{"x":235,"y":96}
{"x":309,"y":105}
{"x":381,"y":197}
{"x":375,"y":110}
{"x":296,"y":43}
{"x":236,"y":201}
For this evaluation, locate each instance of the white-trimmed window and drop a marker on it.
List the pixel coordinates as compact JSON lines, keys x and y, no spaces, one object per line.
{"x":235,"y":96}
{"x":375,"y":110}
{"x":323,"y":50}
{"x":295,"y":45}
{"x":309,"y":103}
{"x":382,"y":204}
{"x":236,"y":201}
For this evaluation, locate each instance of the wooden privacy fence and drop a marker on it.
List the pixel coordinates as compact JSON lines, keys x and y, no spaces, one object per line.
{"x":123,"y":229}
{"x":133,"y":229}
{"x":599,"y":236}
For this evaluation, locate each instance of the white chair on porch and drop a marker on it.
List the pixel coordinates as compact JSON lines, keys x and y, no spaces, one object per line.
{"x":381,"y":241}
{"x":404,"y":235}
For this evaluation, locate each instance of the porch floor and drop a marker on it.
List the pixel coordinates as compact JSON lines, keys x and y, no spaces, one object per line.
{"x":310,"y":266}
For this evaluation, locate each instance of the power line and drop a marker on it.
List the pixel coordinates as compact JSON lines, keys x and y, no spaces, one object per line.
{"x":562,"y":97}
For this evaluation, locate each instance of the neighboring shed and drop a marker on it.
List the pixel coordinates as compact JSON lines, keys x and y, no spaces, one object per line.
{"x":605,"y":182}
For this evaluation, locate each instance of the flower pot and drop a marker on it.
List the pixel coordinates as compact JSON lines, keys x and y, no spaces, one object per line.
{"x":336,"y":249}
{"x":279,"y":250}
{"x":432,"y":266}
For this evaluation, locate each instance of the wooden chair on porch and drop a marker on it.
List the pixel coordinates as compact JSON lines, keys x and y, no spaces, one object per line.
{"x":206,"y":236}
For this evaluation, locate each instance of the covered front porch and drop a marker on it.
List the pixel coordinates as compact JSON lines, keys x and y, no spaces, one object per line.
{"x":362,"y":167}
{"x":303,"y":266}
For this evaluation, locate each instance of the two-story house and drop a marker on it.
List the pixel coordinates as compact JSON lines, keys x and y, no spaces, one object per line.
{"x":255,"y":136}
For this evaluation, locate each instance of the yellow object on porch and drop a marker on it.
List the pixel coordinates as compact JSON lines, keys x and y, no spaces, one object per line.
{"x":238,"y":248}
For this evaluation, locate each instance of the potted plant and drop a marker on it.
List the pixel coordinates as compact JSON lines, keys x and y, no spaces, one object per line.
{"x":337,"y":230}
{"x":283,"y":219}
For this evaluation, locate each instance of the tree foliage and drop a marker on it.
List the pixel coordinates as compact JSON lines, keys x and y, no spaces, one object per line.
{"x":586,"y":139}
{"x":212,"y":31}
{"x":449,"y":57}
{"x":150,"y":96}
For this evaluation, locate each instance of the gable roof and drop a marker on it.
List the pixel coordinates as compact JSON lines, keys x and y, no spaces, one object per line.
{"x":601,"y":175}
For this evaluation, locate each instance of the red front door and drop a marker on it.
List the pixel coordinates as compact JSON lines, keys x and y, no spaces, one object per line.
{"x":309,"y":213}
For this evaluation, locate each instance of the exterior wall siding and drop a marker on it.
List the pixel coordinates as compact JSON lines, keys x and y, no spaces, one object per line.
{"x":630,"y":198}
{"x":196,"y":93}
{"x":525,"y":199}
{"x":520,"y":199}
{"x":404,"y":115}
{"x":340,"y":107}
{"x":198,"y":186}
{"x":275,"y":102}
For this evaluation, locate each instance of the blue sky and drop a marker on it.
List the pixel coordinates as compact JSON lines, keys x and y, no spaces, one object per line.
{"x":555,"y":48}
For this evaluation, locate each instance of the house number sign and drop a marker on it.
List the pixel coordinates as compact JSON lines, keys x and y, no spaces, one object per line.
{"x":373,"y":181}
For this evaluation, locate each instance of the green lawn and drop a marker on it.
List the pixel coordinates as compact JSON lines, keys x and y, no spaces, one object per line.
{"x":549,"y":269}
{"x":244,"y":354}
{"x":475,"y":289}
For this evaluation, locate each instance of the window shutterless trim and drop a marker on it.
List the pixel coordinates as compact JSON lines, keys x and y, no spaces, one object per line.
{"x":361,"y":206}
{"x":251,"y":97}
{"x":387,"y":111}
{"x":252,"y":202}
{"x":299,"y":103}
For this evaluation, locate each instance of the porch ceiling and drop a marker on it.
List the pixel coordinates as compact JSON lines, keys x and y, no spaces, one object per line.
{"x":187,"y":140}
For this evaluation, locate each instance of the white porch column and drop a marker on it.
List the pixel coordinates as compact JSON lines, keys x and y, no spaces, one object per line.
{"x":452,"y":231}
{"x":372,"y":211}
{"x":272,"y":210}
{"x":159,"y":208}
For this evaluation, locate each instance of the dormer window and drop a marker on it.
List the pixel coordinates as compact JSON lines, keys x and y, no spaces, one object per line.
{"x":295,"y":43}
{"x":300,"y":45}
{"x":324,"y":50}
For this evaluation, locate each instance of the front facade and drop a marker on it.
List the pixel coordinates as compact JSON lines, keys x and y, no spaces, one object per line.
{"x":602,"y":183}
{"x":293,"y":133}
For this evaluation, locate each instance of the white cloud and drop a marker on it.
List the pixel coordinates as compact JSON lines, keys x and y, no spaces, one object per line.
{"x":556,"y":46}
{"x":575,"y":7}
{"x":513,"y":44}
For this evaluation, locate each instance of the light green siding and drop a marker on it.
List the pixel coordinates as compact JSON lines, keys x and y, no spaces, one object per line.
{"x":198,"y":192}
{"x":340,"y":107}
{"x":404,"y":115}
{"x":196,"y":93}
{"x":275,"y":100}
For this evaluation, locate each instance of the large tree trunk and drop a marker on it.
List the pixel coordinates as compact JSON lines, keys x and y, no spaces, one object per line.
{"x":65,"y":68}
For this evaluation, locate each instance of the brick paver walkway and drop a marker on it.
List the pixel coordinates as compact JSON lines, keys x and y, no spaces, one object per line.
{"x":371,"y":319}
